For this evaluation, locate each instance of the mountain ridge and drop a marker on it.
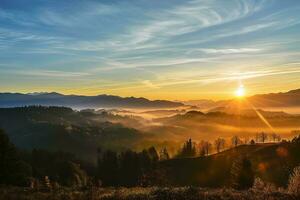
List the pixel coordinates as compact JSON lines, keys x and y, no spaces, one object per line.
{"x":290,"y":98}
{"x":81,"y":101}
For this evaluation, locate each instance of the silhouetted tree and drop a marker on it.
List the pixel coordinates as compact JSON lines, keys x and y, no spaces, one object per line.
{"x":153,"y":154}
{"x":275,"y":137}
{"x":70,"y":174}
{"x":188,"y":150}
{"x":108,"y":168}
{"x":235,"y":140}
{"x":261,"y":137}
{"x":205,"y":147}
{"x":13,"y":171}
{"x":242,"y":175}
{"x":128,"y":169}
{"x":219,"y":144}
{"x":164,"y":155}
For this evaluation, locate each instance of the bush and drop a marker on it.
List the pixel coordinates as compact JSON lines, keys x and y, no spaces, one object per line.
{"x":259,"y":186}
{"x":294,"y":182}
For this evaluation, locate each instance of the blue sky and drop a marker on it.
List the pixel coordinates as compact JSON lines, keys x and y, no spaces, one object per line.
{"x":152,"y":48}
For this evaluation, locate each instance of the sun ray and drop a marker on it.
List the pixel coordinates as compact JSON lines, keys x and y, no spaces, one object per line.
{"x":262,"y":117}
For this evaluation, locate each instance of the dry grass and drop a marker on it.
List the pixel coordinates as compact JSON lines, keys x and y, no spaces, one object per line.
{"x":153,"y":193}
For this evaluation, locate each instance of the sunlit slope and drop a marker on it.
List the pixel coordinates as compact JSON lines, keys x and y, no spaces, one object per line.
{"x":271,"y":162}
{"x":209,"y":126}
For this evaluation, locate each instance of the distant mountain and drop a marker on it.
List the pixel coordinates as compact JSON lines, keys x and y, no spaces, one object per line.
{"x":202,"y":103}
{"x":78,"y":101}
{"x":282,"y":99}
{"x":287,"y":101}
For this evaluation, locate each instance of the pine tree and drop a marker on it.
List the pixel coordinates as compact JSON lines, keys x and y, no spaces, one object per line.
{"x":188,"y":150}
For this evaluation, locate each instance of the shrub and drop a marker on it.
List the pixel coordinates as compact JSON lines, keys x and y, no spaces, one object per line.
{"x":259,"y":186}
{"x":294,"y":182}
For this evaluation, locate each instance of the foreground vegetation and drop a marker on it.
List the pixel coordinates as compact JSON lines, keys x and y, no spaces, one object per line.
{"x":150,"y":193}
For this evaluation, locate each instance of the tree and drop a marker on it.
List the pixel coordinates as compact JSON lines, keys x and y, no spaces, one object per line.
{"x":275,"y":137}
{"x":219,"y":144}
{"x":164,"y":155}
{"x":261,"y":137}
{"x":108,"y":167}
{"x":71,"y":174}
{"x":188,"y":150}
{"x":153,"y":154}
{"x":130,"y":168}
{"x":242,"y":175}
{"x":235,"y":140}
{"x":252,"y":142}
{"x":204,"y":148}
{"x":13,"y":171}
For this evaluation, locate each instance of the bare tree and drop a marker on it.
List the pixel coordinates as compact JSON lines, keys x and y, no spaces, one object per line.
{"x":295,"y":132}
{"x":235,"y":140}
{"x":204,"y":148}
{"x":261,"y":137}
{"x":219,"y":144}
{"x":278,"y":138}
{"x":275,"y":137}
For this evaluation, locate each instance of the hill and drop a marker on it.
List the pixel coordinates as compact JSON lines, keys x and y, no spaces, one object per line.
{"x":63,"y":129}
{"x":208,"y":126}
{"x":80,"y":102}
{"x":271,"y":162}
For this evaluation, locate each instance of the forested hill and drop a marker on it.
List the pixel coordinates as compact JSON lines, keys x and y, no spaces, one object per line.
{"x":63,"y":129}
{"x":271,"y":162}
{"x":77,"y":101}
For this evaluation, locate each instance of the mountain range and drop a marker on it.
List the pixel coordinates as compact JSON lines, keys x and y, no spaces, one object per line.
{"x":81,"y":102}
{"x":271,"y":100}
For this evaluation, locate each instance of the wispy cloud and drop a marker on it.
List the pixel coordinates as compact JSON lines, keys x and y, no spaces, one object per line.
{"x":214,"y":78}
{"x":149,"y":84}
{"x":230,"y":51}
{"x":88,"y":11}
{"x":45,"y":73}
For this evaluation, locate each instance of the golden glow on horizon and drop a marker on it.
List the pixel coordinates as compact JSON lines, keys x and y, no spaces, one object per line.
{"x":240,"y":92}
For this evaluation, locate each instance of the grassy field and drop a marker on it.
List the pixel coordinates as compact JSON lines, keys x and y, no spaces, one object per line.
{"x":153,"y":193}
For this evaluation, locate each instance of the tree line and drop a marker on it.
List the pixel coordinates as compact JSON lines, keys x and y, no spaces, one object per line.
{"x":204,"y":148}
{"x":128,"y":168}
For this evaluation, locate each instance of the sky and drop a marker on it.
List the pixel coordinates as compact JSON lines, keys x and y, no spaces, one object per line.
{"x":175,"y":50}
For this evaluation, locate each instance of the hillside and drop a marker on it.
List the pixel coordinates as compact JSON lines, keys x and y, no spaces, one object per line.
{"x":199,"y":125}
{"x":80,"y":102}
{"x":271,"y":162}
{"x":63,"y":129}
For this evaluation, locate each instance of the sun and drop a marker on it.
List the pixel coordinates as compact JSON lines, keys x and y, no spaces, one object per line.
{"x":240,"y":92}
